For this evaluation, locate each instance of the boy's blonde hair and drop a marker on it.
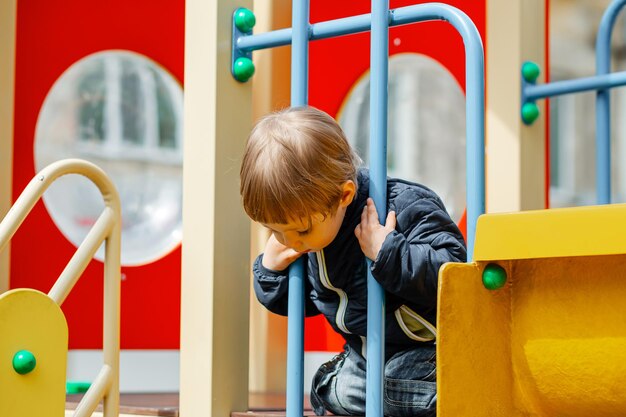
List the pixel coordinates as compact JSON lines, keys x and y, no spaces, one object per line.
{"x":294,"y":165}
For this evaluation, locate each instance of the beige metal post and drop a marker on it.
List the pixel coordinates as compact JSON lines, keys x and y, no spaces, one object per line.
{"x":216,"y":232}
{"x":515,"y":152}
{"x":270,"y":91}
{"x":8,"y":16}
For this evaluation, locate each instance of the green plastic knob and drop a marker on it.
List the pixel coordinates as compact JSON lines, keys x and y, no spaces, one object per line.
{"x":24,"y":362}
{"x":244,"y":19}
{"x":530,"y":113}
{"x":243,"y":69}
{"x":494,"y":277}
{"x":530,"y":71}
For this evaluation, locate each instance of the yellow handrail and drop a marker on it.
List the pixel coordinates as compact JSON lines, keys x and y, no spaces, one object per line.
{"x":106,"y":229}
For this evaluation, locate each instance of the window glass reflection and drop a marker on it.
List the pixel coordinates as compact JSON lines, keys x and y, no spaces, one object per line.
{"x":122,"y":112}
{"x":426,"y":126}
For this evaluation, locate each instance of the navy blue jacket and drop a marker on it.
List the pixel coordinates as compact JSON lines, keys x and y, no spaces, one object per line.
{"x":406,"y":267}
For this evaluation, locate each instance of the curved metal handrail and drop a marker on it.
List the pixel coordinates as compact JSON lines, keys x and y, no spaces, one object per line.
{"x":106,"y":229}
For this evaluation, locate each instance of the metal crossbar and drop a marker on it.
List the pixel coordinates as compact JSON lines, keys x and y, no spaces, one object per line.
{"x":602,"y":82}
{"x":379,"y":21}
{"x":107,"y":229}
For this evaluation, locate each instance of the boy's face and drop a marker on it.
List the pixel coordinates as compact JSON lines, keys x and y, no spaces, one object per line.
{"x":302,"y":236}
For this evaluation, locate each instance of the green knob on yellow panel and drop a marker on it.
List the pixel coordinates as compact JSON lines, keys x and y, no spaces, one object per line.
{"x":494,"y":277}
{"x":243,"y":69}
{"x":530,"y":113}
{"x":244,"y":19}
{"x":530,"y":71}
{"x":24,"y":362}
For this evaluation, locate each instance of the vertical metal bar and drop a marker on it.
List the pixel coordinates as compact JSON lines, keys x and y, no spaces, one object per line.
{"x":603,"y":104}
{"x":300,"y":53}
{"x":295,"y":321}
{"x":112,"y":305}
{"x":295,"y":340}
{"x":379,"y":61}
{"x":475,"y":121}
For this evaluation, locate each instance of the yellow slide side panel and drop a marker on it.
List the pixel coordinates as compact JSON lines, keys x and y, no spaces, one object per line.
{"x":474,"y":375}
{"x":30,"y":320}
{"x":569,"y":335}
{"x":550,"y":342}
{"x":579,"y":231}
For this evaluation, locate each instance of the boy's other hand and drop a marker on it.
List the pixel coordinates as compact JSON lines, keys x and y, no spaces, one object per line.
{"x":277,"y":256}
{"x":370,"y":233}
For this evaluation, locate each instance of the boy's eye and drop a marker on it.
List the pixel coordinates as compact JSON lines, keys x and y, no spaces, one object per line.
{"x":304,"y":232}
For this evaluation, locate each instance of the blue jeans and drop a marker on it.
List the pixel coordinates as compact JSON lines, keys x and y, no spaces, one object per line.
{"x":409,"y":389}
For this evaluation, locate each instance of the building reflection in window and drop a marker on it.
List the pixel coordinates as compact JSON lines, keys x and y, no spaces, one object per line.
{"x":122,"y":112}
{"x":426,"y":126}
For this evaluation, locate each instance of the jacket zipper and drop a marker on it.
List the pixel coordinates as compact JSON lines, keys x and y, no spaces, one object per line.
{"x":420,"y":319}
{"x":343,"y":297}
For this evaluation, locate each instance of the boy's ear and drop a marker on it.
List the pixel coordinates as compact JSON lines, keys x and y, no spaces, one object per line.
{"x":347,"y":194}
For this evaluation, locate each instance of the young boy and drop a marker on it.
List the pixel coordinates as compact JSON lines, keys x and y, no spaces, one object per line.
{"x":299,"y":178}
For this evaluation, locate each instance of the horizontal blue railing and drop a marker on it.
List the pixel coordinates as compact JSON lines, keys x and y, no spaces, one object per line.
{"x":597,"y":82}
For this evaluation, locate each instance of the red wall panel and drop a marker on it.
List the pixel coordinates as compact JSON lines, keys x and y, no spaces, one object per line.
{"x":51,"y":36}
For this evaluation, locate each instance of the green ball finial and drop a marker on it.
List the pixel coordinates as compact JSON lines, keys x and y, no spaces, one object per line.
{"x":244,"y":19}
{"x":243,"y":69}
{"x":24,"y":362}
{"x":494,"y":277}
{"x":530,"y":113}
{"x":530,"y":71}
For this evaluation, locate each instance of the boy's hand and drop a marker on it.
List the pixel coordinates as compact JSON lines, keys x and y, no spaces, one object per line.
{"x":370,"y":232}
{"x":277,"y":256}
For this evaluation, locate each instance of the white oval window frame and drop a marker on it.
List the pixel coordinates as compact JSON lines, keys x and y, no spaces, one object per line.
{"x":58,"y":198}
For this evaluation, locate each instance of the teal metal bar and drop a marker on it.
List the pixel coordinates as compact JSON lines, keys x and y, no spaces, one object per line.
{"x":379,"y":77}
{"x":297,"y":270}
{"x":603,"y":103}
{"x":578,"y":85}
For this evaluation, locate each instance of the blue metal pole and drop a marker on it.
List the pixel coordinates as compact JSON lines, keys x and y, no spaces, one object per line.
{"x":295,"y":311}
{"x":598,"y":82}
{"x":603,"y":104}
{"x":300,"y":53}
{"x":379,"y":60}
{"x":295,"y":340}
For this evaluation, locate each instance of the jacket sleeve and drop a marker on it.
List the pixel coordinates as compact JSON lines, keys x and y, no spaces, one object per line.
{"x":272,"y":289}
{"x":409,"y":260}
